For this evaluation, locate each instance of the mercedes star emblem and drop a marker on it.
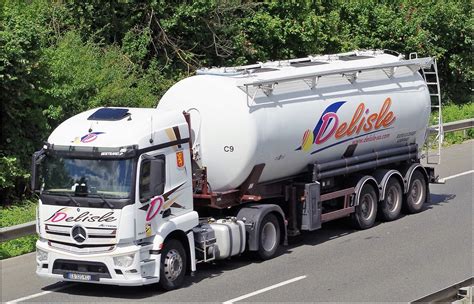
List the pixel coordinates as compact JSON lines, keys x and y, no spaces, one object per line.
{"x":78,"y":233}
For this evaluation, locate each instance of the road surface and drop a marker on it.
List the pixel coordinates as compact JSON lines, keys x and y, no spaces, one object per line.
{"x":396,"y":261}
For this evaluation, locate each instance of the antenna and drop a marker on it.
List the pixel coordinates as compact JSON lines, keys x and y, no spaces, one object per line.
{"x":151,"y":129}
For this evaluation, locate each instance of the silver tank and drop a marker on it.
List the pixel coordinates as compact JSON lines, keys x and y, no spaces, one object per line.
{"x":234,"y":129}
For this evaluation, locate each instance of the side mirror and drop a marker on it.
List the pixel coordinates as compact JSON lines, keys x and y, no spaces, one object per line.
{"x":152,"y":178}
{"x":36,"y":160}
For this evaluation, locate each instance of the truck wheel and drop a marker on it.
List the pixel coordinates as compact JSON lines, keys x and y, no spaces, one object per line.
{"x":416,"y":195}
{"x":269,"y":237}
{"x":173,"y":265}
{"x":392,"y":203}
{"x":366,"y":211}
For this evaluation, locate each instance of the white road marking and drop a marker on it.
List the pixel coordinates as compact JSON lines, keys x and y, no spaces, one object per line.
{"x":444,"y":179}
{"x":264,"y":290}
{"x":39,"y":294}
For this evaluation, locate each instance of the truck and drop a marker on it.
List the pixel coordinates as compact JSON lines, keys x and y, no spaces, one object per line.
{"x":232,"y":160}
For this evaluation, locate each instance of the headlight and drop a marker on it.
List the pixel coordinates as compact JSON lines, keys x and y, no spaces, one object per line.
{"x":124,"y":260}
{"x":41,"y":255}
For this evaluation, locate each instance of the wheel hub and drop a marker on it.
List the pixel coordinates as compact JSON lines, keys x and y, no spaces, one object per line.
{"x":366,"y":206}
{"x":269,"y":236}
{"x":392,"y":198}
{"x":416,"y":192}
{"x":173,"y":265}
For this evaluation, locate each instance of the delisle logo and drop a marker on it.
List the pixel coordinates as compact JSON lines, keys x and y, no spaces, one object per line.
{"x":62,"y":216}
{"x":329,"y":125}
{"x":90,"y":137}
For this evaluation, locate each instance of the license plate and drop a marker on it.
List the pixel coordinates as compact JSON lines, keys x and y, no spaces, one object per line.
{"x":78,"y":276}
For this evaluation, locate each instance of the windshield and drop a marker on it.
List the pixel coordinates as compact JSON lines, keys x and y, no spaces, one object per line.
{"x":83,"y":177}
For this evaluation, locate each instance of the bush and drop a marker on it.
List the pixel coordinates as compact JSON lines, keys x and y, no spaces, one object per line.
{"x":14,"y":215}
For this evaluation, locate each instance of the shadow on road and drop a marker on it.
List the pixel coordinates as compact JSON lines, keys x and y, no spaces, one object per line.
{"x":330,"y":231}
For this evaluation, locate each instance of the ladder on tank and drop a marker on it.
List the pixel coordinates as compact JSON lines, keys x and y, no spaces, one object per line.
{"x":435,"y":134}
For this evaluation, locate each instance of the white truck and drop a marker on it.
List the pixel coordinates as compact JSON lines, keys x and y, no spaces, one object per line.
{"x":232,"y":159}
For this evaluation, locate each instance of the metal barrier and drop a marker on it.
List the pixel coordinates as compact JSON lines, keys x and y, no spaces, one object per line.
{"x":14,"y":232}
{"x":17,"y":231}
{"x":450,"y":294}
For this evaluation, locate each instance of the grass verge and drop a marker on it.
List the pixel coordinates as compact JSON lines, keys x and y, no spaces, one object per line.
{"x":453,"y":112}
{"x":14,"y":215}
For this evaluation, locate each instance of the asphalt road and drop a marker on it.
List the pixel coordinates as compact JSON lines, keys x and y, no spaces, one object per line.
{"x":398,"y":261}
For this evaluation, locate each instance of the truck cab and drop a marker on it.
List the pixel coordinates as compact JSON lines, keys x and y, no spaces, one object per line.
{"x":114,"y":186}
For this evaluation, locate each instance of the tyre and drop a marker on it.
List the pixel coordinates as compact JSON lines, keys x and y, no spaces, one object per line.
{"x":416,"y":195}
{"x":391,"y":206}
{"x":366,"y":209}
{"x":173,"y":265}
{"x":269,"y":237}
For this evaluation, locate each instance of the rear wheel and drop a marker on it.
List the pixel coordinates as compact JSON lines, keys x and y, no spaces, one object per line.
{"x":391,"y":206}
{"x":173,"y":265}
{"x":366,"y":210}
{"x":269,"y":237}
{"x":416,"y":195}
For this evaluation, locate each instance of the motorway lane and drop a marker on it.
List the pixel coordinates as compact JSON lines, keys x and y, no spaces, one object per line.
{"x":396,"y":261}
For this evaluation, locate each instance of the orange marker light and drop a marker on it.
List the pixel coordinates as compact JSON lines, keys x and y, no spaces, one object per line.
{"x":179,"y":159}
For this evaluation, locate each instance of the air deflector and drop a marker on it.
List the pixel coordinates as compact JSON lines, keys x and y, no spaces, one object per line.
{"x":109,"y":114}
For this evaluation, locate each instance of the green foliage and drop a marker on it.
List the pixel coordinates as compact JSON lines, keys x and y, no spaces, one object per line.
{"x":17,"y":247}
{"x":454,"y":112}
{"x":84,"y":76}
{"x":10,"y":172}
{"x":14,"y":215}
{"x":59,"y":58}
{"x":17,"y":214}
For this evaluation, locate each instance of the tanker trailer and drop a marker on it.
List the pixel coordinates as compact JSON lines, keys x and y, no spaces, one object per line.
{"x":232,"y":159}
{"x":295,"y":143}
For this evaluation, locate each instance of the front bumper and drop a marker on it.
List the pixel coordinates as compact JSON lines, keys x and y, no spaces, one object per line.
{"x":100,"y":267}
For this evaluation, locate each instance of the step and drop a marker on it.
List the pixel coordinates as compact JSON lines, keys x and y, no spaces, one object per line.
{"x":147,"y":261}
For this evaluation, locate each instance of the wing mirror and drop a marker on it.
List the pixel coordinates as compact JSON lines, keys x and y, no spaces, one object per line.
{"x":36,"y":160}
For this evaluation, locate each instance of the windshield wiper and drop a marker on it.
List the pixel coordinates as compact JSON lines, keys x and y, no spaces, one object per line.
{"x":104,"y":200}
{"x":71,"y":199}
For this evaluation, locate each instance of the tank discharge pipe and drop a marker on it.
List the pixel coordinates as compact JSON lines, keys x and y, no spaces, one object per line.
{"x":363,"y":162}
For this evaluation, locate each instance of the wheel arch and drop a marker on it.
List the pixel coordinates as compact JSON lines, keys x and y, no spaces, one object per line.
{"x":383,"y":176}
{"x":253,"y":214}
{"x":358,"y":182}
{"x":182,"y":237}
{"x":407,"y":173}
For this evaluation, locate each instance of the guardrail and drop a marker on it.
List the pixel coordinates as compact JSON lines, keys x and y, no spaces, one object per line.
{"x":459,"y":291}
{"x":17,"y":231}
{"x":14,"y":232}
{"x":458,"y":125}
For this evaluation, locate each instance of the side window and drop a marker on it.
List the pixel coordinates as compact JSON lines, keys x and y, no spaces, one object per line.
{"x":144,"y":178}
{"x":152,"y":177}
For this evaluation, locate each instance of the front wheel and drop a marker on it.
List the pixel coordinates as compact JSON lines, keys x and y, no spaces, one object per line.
{"x":366,"y":210}
{"x":269,"y":237}
{"x":173,"y":265}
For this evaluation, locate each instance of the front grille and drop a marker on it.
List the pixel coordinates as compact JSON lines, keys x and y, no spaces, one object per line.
{"x":96,"y":237}
{"x":81,"y":249}
{"x":93,"y":268}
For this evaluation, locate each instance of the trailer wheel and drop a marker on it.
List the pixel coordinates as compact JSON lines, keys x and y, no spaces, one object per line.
{"x":173,"y":265}
{"x":366,"y":211}
{"x":392,"y":203}
{"x":416,"y":195}
{"x":269,"y":237}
